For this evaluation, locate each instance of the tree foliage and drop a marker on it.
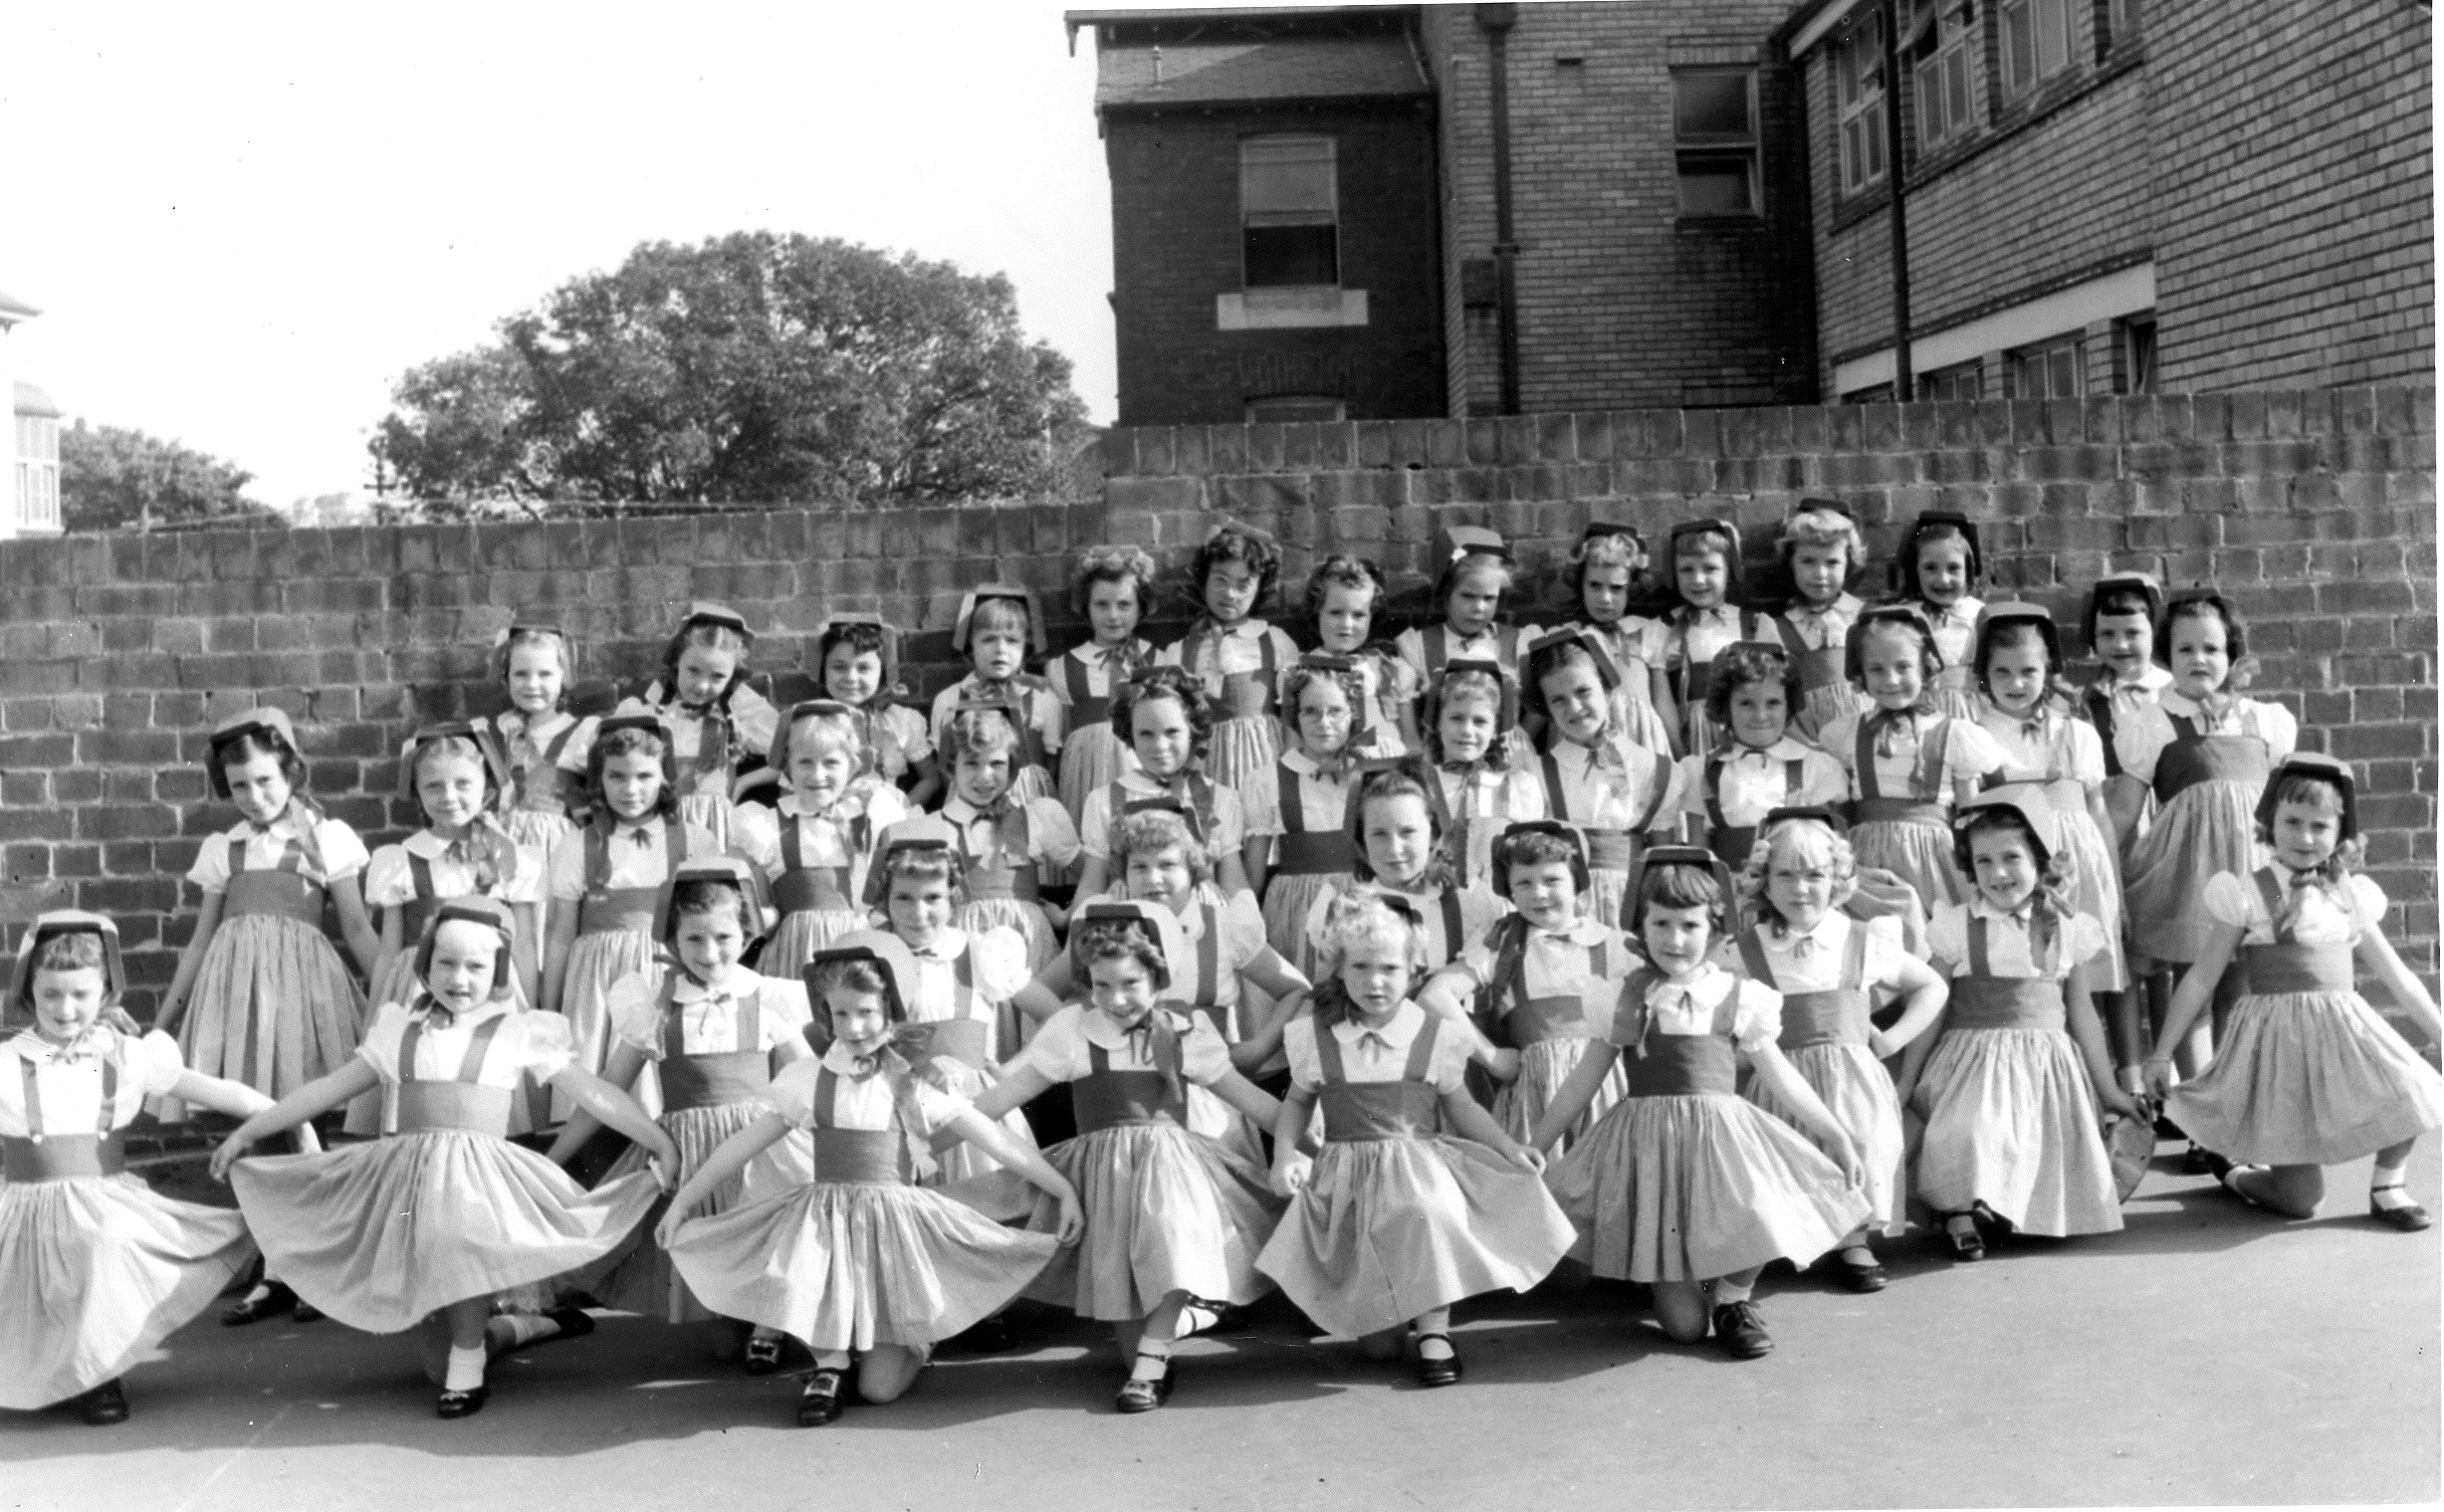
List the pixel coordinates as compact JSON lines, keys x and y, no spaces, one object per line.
{"x":116,"y":478}
{"x":753,"y":369}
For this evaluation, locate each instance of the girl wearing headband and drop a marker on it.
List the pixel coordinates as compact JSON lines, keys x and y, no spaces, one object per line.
{"x":719,"y":725}
{"x":534,"y":661}
{"x":1235,"y":657}
{"x":1113,"y":591}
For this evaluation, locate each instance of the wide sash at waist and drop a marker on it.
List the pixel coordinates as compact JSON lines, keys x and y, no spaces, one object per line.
{"x":62,"y":1157}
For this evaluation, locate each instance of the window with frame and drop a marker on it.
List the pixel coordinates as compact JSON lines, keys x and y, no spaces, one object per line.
{"x":1881,"y":393}
{"x":1289,"y":212}
{"x":1960,"y":381}
{"x":38,"y":471}
{"x":2137,"y":364}
{"x":2054,"y":370}
{"x":1714,"y":141}
{"x":2120,"y":26}
{"x":1858,"y":96}
{"x":1293,"y":409}
{"x":2035,"y":42}
{"x":1944,"y":51}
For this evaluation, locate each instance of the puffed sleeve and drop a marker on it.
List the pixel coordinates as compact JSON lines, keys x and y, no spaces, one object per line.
{"x":1319,"y":917}
{"x":542,"y":1044}
{"x":1094,"y":824}
{"x":1049,"y":718}
{"x":1411,"y":648}
{"x":784,"y":1011}
{"x":1229,"y":823}
{"x":1885,"y":950}
{"x":343,"y":854}
{"x":567,"y":881}
{"x":1947,"y":935}
{"x":943,"y":703}
{"x":1479,"y":911}
{"x":1204,"y":1056}
{"x":998,"y":960}
{"x":380,"y":1047}
{"x":1298,"y":1047}
{"x":1476,"y":958}
{"x":1057,"y":1053}
{"x":634,"y":1005}
{"x":1689,"y":773}
{"x":2276,"y":728}
{"x":1449,"y":1069}
{"x":1050,"y":828}
{"x":211,"y":869}
{"x":1757,"y":1021}
{"x":1243,"y":928}
{"x":2140,"y":739}
{"x":908,"y":728}
{"x":1971,"y":752}
{"x":524,"y":882}
{"x":1840,"y":738}
{"x":2367,"y":902}
{"x":1674,"y":793}
{"x":2087,"y":755}
{"x":581,"y":745}
{"x":1821,"y":779}
{"x":792,"y":1093}
{"x":387,"y":878}
{"x":156,"y":1056}
{"x":935,"y":1107}
{"x":887,"y":806}
{"x":2229,"y":901}
{"x":1525,"y":797}
{"x":754,"y":833}
{"x":2086,"y":937}
{"x":1260,"y":800}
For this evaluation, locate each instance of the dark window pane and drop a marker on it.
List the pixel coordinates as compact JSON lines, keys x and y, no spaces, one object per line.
{"x":1711,"y":104}
{"x":1280,"y":256}
{"x":1715,"y":186}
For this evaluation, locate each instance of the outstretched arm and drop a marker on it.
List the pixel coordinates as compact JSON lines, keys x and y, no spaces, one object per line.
{"x":626,"y":1062}
{"x":1923,"y":994}
{"x":988,"y":1137}
{"x":721,"y":1166}
{"x":611,"y":1106}
{"x":1290,"y":1163}
{"x":1471,"y":1122}
{"x":2088,"y":1032}
{"x":190,"y":960}
{"x":318,"y":1097}
{"x":1019,"y":1086}
{"x":1576,"y":1095}
{"x":2196,"y":991}
{"x":2377,"y":954}
{"x":1774,"y":1069}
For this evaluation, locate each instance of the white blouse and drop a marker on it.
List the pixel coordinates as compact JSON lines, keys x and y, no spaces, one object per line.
{"x":2007,"y":943}
{"x":1323,"y":802}
{"x":1755,"y":782}
{"x":710,"y":1019}
{"x":1968,"y":754}
{"x":2141,"y":738}
{"x":2051,"y":745}
{"x":344,"y":855}
{"x":1812,"y":962}
{"x":528,"y":1044}
{"x":1095,"y":819}
{"x":1595,"y":795}
{"x":997,"y":962}
{"x":1560,"y":963}
{"x":1050,"y":834}
{"x":69,"y":1079}
{"x":1377,"y":1054}
{"x":392,"y":881}
{"x":1687,"y":1008}
{"x":869,"y":1102}
{"x":2235,"y":903}
{"x":1062,"y":1050}
{"x":632,"y":864}
{"x":1043,"y":709}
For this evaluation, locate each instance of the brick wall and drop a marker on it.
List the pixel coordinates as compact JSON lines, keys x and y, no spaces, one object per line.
{"x":2293,"y":175}
{"x":2315,"y":510}
{"x":1176,"y":244}
{"x":1620,"y":302}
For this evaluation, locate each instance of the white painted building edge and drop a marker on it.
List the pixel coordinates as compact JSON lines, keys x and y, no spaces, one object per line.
{"x":2060,"y":313}
{"x":1289,"y":308}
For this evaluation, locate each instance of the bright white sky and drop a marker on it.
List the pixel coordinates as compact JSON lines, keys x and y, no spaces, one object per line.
{"x":242,"y":223}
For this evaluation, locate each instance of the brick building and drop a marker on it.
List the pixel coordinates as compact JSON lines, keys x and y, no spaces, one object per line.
{"x":1687,"y":202}
{"x":2107,"y":196}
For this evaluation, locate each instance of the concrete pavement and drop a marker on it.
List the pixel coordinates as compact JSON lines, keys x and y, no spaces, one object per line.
{"x":2207,"y":1355}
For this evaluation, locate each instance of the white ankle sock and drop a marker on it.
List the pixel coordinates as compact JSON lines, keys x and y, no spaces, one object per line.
{"x":833,"y":1360}
{"x":466,"y":1370}
{"x":1152,"y":1357}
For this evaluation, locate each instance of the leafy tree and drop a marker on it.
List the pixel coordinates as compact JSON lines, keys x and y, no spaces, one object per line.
{"x":114,"y":478}
{"x":753,"y":369}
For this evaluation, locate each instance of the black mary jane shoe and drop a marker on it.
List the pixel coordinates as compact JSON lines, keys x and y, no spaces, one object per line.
{"x":1869,"y":1277}
{"x":271,"y":1299}
{"x":763,"y":1356}
{"x":105,"y":1404}
{"x":1962,"y":1243}
{"x":1444,"y":1372}
{"x":2200,"y":1161}
{"x":823,"y":1399}
{"x":2408,"y":1219}
{"x":1145,"y":1395}
{"x":1741,"y":1329}
{"x":455,"y":1404}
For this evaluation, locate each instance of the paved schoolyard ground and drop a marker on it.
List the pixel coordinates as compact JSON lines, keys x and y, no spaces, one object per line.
{"x":2208,"y":1355}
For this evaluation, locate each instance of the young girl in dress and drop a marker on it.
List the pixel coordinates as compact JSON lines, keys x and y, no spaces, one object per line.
{"x":1396,"y":825}
{"x":1470,"y":713}
{"x":1235,"y":658}
{"x":714,"y":1034}
{"x":455,"y":775}
{"x":260,"y":996}
{"x":1343,"y":595}
{"x":2029,"y":710}
{"x":1614,"y":792}
{"x":1010,"y":842}
{"x":1171,"y":1215}
{"x":859,"y":660}
{"x":998,"y":627}
{"x":604,"y":881}
{"x":1684,"y":1185}
{"x":1909,"y":763}
{"x":1940,"y":564}
{"x":1547,"y":976}
{"x":1112,"y":592}
{"x":860,"y":1262}
{"x":1162,"y":712}
{"x":1700,"y":619}
{"x":2205,"y":753}
{"x":814,"y":845}
{"x":1752,"y":693}
{"x":1417,"y":1200}
{"x":2119,"y":628}
{"x":534,"y":660}
{"x":2307,"y":1074}
{"x":1475,"y":570}
{"x":717,"y":722}
{"x":2008,"y":1085}
{"x":961,"y":1024}
{"x":1822,"y":550}
{"x":1606,"y":573}
{"x":102,"y":1267}
{"x":443,"y":1211}
{"x":1297,"y":846}
{"x":1829,"y":970}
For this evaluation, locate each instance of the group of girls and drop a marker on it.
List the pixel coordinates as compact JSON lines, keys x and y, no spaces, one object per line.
{"x":1387,"y":975}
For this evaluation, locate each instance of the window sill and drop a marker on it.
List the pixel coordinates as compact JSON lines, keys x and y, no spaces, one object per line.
{"x":1718,"y":223}
{"x":1289,"y":308}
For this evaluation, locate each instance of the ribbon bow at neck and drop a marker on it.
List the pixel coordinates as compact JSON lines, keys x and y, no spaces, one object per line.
{"x":1759,"y":753}
{"x":713,"y":742}
{"x":476,"y":857}
{"x":1119,"y":661}
{"x":642,"y":834}
{"x":1885,"y":722}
